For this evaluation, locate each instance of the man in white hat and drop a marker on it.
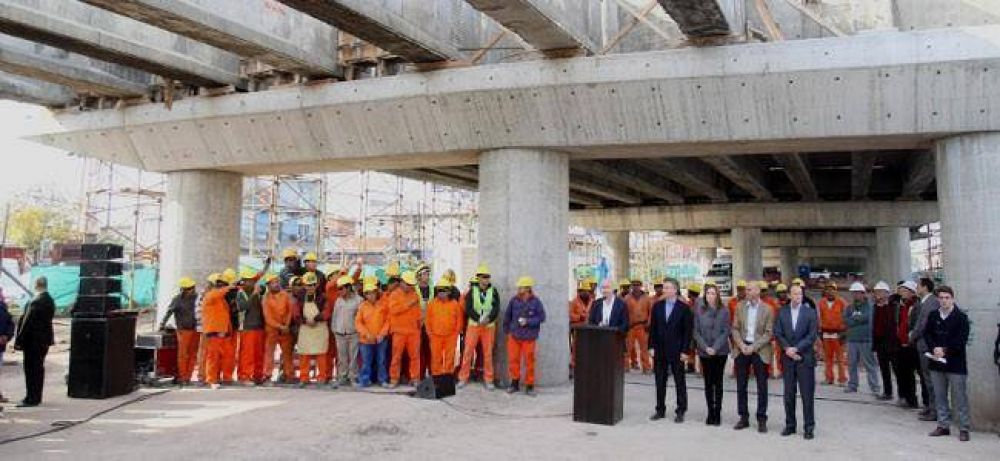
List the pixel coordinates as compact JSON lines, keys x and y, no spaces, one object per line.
{"x":858,"y":320}
{"x":884,"y":340}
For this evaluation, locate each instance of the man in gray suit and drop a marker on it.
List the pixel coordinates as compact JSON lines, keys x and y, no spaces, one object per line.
{"x":928,"y":303}
{"x":795,"y":329}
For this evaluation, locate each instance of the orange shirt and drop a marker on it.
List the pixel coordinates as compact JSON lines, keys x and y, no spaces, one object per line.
{"x":277,"y":310}
{"x":831,"y":315}
{"x":330,"y":298}
{"x":638,"y":309}
{"x":215,"y":312}
{"x":444,"y":318}
{"x":372,"y":321}
{"x":404,"y":312}
{"x":734,"y":304}
{"x":579,"y":311}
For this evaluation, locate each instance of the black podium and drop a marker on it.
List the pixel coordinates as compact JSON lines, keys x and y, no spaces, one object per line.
{"x":599,"y":375}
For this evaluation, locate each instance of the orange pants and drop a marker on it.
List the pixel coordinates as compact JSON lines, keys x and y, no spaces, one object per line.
{"x":638,"y":337}
{"x":215,"y":351}
{"x":475,"y":335}
{"x":321,"y":370}
{"x":518,"y":349}
{"x":251,"y":366}
{"x":833,"y":351}
{"x":187,"y":354}
{"x":443,"y":354}
{"x":202,"y":347}
{"x":274,"y":338}
{"x":409,"y":343}
{"x":330,"y":359}
{"x":228,"y":364}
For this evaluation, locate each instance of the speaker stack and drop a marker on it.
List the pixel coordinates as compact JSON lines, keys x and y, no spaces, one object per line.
{"x":102,"y":336}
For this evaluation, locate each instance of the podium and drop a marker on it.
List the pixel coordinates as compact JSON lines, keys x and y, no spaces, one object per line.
{"x":599,"y":375}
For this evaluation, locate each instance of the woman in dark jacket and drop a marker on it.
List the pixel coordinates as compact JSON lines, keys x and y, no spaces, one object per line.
{"x":711,"y":335}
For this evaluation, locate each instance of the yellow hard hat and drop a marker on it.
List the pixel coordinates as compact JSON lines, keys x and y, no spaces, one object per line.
{"x":762,"y":284}
{"x":781,"y":288}
{"x":741,"y":284}
{"x":798,"y":281}
{"x":289,"y":253}
{"x":694,"y":286}
{"x":422,"y":267}
{"x":637,"y":281}
{"x":410,"y":278}
{"x":369,"y":287}
{"x":271,"y":277}
{"x":309,"y":278}
{"x":213,"y":277}
{"x":310,"y":256}
{"x":247,"y":274}
{"x":344,"y":281}
{"x":392,"y":270}
{"x":624,"y":282}
{"x":710,"y":284}
{"x":585,"y":285}
{"x":443,"y":282}
{"x":450,"y":276}
{"x":370,"y":279}
{"x":525,"y":282}
{"x":483,"y":269}
{"x":186,"y":282}
{"x":474,"y":279}
{"x":229,"y":276}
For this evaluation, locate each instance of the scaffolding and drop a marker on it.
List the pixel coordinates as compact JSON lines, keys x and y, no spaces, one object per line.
{"x":283,"y":211}
{"x":124,"y":206}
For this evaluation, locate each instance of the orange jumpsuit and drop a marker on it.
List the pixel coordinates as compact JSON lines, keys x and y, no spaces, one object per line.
{"x":372,"y":321}
{"x":187,"y":354}
{"x":332,"y":293}
{"x":277,"y":319}
{"x":639,"y":309}
{"x":733,"y":305}
{"x":775,"y":306}
{"x":831,"y":325}
{"x":404,"y":324}
{"x":444,"y":322}
{"x":218,"y":328}
{"x":579,"y":311}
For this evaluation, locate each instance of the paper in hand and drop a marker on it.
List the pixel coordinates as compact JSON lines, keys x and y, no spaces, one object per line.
{"x":935,"y":358}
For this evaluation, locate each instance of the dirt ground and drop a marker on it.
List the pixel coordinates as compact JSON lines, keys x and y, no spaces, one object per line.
{"x":277,"y":423}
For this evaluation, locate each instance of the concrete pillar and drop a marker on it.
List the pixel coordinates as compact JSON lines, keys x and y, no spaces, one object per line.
{"x":201,"y":228}
{"x":789,"y":263}
{"x":748,"y":260}
{"x":705,"y":258}
{"x":892,"y":253}
{"x":523,"y":230}
{"x":619,"y":249}
{"x":968,"y":185}
{"x":871,"y":268}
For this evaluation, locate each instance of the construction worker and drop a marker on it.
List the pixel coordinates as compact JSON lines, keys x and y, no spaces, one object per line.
{"x":311,"y":262}
{"x":734,"y":302}
{"x":342,"y":324}
{"x":579,"y":311}
{"x":657,"y":291}
{"x":314,"y":334}
{"x":372,"y":323}
{"x":624,"y":287}
{"x":330,"y":294}
{"x":404,"y":324}
{"x":199,"y":311}
{"x":292,"y":267}
{"x":832,"y":328}
{"x":182,"y":310}
{"x":522,"y":321}
{"x":218,"y":328}
{"x":228,"y":364}
{"x":694,"y":294}
{"x":250,"y":329}
{"x":482,"y":308}
{"x":776,"y":367}
{"x":426,"y":292}
{"x":449,"y":275}
{"x":639,"y":306}
{"x":277,"y":305}
{"x":444,"y":321}
{"x":858,"y":323}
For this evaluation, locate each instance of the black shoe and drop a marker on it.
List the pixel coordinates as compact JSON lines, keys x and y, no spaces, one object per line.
{"x":741,"y":424}
{"x":788,"y":431}
{"x":657,"y":416}
{"x":940,"y":431}
{"x":710,"y":421}
{"x":679,"y":418}
{"x":884,"y":397}
{"x":514,"y":387}
{"x":808,"y":435}
{"x":762,"y":426}
{"x":963,"y":436}
{"x":928,"y":417}
{"x":530,"y":390}
{"x":24,"y":404}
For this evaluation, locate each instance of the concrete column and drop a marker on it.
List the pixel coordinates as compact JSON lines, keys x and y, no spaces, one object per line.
{"x":871,"y":268}
{"x":705,"y":258}
{"x":201,"y":228}
{"x":748,"y":260}
{"x":523,"y":230}
{"x":968,"y":185}
{"x":620,"y":264}
{"x":892,"y":253}
{"x":789,"y":263}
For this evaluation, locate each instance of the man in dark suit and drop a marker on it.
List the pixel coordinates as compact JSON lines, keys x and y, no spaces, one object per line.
{"x":670,"y":332}
{"x":34,"y":336}
{"x":609,"y":310}
{"x":795,"y":331}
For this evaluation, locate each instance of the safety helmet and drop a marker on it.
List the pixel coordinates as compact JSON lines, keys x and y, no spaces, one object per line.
{"x":309,"y":278}
{"x":229,"y":276}
{"x":186,"y":282}
{"x":410,"y":278}
{"x":525,"y":282}
{"x":289,"y":253}
{"x":483,"y":269}
{"x":344,"y":281}
{"x":310,"y":256}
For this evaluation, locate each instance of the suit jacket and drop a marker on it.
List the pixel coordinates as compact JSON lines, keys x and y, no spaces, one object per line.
{"x":619,"y":314}
{"x":762,"y":333}
{"x":669,"y":337}
{"x":803,"y":336}
{"x":916,"y":334}
{"x":34,"y":328}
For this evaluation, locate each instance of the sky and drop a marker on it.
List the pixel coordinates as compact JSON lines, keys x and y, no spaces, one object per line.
{"x":25,"y":165}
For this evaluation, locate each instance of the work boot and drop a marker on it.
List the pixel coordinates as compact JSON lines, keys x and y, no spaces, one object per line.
{"x":530,"y":390}
{"x":762,"y":426}
{"x":929,"y":416}
{"x":963,"y":436}
{"x":743,"y":423}
{"x":940,"y":431}
{"x":884,"y":397}
{"x":514,"y":387}
{"x":679,"y":418}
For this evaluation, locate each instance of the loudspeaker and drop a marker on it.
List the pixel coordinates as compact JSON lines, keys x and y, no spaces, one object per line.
{"x":100,"y":251}
{"x":102,"y":356}
{"x":436,"y":387}
{"x":96,"y":305}
{"x":92,"y":286}
{"x":100,"y":268}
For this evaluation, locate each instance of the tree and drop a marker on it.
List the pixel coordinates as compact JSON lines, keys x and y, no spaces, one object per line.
{"x":31,"y":225}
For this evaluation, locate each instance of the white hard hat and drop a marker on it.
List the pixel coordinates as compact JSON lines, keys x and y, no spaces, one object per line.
{"x":881,"y":285}
{"x":857,"y":287}
{"x":909,"y":285}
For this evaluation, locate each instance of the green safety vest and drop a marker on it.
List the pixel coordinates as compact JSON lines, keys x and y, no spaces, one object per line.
{"x":423,"y":302}
{"x":482,"y":306}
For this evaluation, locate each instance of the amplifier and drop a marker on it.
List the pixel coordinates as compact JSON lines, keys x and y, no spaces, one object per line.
{"x":102,"y":357}
{"x":100,"y":268}
{"x":156,"y":340}
{"x":96,"y":305}
{"x":100,"y":251}
{"x":92,"y":286}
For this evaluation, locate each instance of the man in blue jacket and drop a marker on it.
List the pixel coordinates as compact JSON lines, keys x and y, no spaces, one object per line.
{"x":670,"y":331}
{"x":609,"y":310}
{"x":522,"y":322}
{"x":795,"y":330}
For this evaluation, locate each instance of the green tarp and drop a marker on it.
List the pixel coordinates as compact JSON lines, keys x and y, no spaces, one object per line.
{"x":64,"y":284}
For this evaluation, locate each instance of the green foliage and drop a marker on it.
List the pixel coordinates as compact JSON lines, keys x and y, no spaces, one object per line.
{"x":30,"y":225}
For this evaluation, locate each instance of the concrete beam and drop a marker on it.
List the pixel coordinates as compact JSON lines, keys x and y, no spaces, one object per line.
{"x":17,"y":88}
{"x":690,"y":173}
{"x":544,"y":24}
{"x":745,"y":173}
{"x":933,"y":14}
{"x":383,"y":27}
{"x":862,"y":166}
{"x":818,"y":97}
{"x":53,"y":65}
{"x":697,"y":18}
{"x":602,"y":186}
{"x":258,"y":29}
{"x":629,"y":177}
{"x":91,"y":31}
{"x":798,"y":173}
{"x":790,"y":239}
{"x":618,"y":246}
{"x":919,"y":177}
{"x":468,"y":179}
{"x":793,"y":215}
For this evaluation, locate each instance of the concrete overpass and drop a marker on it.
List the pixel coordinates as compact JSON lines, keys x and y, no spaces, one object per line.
{"x":871,"y":130}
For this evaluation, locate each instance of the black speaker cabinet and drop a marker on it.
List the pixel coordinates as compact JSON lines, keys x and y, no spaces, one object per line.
{"x":99,"y":305}
{"x":436,"y":387}
{"x":100,"y":251}
{"x":100,"y":268}
{"x":93,"y":286}
{"x":599,"y":375}
{"x":102,"y":356}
